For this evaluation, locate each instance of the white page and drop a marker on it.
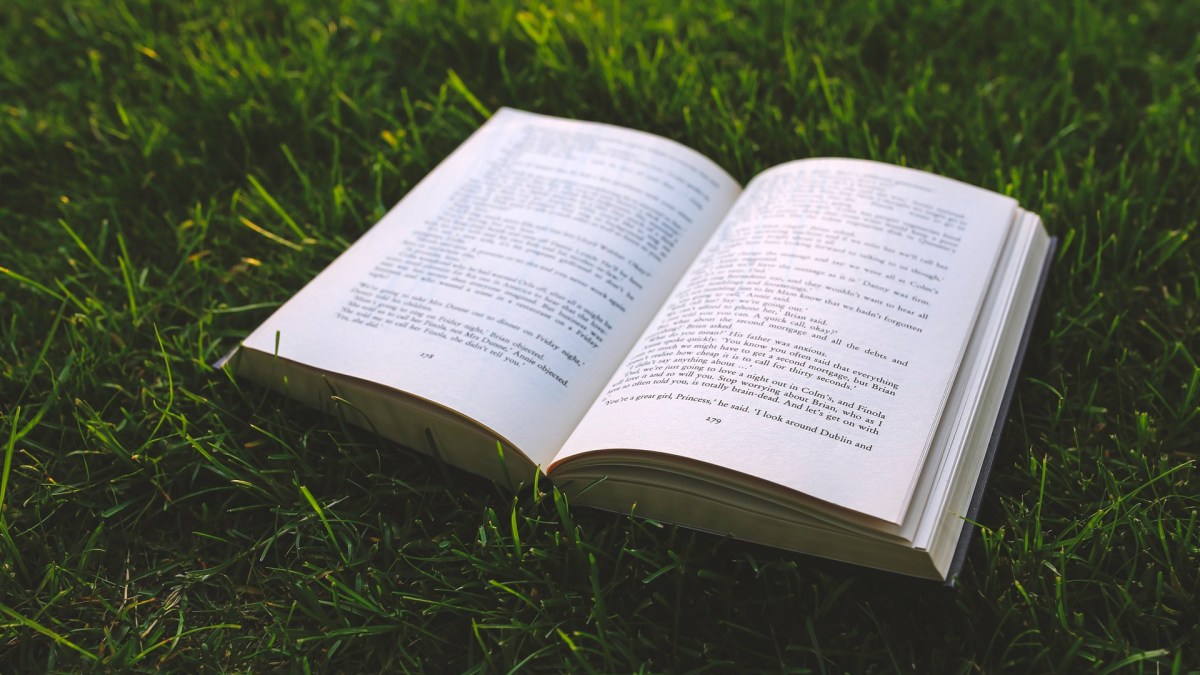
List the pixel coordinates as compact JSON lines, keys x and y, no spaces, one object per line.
{"x":814,"y":341}
{"x":509,"y":284}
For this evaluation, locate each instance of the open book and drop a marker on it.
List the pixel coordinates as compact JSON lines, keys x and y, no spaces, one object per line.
{"x":815,"y":362}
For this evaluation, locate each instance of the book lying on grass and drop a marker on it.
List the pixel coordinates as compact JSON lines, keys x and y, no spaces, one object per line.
{"x":816,"y":362}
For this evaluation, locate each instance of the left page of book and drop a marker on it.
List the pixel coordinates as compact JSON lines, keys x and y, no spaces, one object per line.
{"x":510,"y":283}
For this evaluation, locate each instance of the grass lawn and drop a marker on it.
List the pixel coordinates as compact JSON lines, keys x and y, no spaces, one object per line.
{"x":157,"y":514}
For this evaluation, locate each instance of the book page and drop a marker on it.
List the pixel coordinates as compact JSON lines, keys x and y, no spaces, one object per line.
{"x":814,"y":341}
{"x":511,"y":282}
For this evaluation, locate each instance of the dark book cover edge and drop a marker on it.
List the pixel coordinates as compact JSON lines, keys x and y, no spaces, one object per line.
{"x":968,"y":531}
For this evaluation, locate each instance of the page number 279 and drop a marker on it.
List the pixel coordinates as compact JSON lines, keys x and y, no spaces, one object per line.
{"x":713,"y":420}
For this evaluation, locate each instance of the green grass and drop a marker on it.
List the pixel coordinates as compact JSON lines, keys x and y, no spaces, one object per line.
{"x":170,"y":172}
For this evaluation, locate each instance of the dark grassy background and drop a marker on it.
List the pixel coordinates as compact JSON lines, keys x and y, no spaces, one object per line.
{"x":157,"y":514}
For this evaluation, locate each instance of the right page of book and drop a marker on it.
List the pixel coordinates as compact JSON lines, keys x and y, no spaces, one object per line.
{"x":814,"y":341}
